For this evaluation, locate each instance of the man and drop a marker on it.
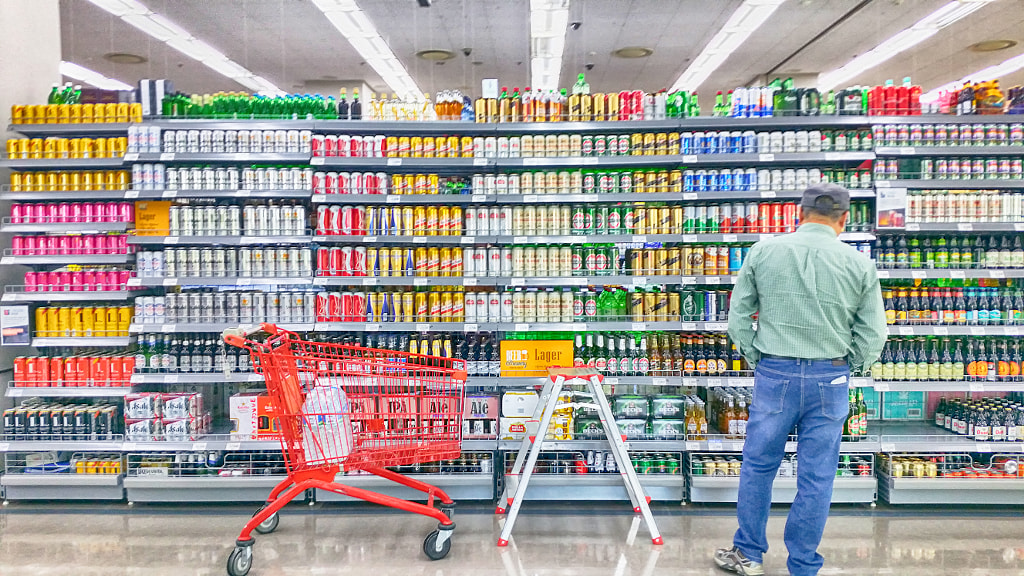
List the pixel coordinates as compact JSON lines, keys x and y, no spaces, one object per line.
{"x":819,"y":312}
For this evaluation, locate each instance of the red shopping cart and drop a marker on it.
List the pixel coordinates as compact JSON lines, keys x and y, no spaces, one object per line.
{"x":349,"y":408}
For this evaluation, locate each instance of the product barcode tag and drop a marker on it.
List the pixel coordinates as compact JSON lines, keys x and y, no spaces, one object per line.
{"x":590,"y":161}
{"x":997,"y":274}
{"x":768,"y":194}
{"x":317,"y":161}
{"x":579,"y":327}
{"x":640,"y":238}
{"x":830,"y":156}
{"x":965,"y":227}
{"x":689,"y":382}
{"x":243,"y":193}
{"x":659,"y":381}
{"x":689,"y":326}
{"x":170,"y":282}
{"x":470,"y":328}
{"x":977,"y":331}
{"x":131,"y":281}
{"x":519,"y":239}
{"x":712,"y":280}
{"x":976,"y":386}
{"x":171,"y":240}
{"x":957,"y":275}
{"x":479,"y":161}
{"x":169,"y":328}
{"x":639,"y":281}
{"x":906,"y":331}
{"x":882,"y":184}
{"x":611,"y":381}
{"x":166,"y":156}
{"x":419,"y":240}
{"x":689,"y":195}
{"x":130,"y":194}
{"x":692,"y":446}
{"x":233,"y":446}
{"x":907,"y":150}
{"x":740,"y":381}
{"x":518,"y":282}
{"x":419,"y":281}
{"x":394,"y":162}
{"x":1018,"y":227}
{"x":372,"y":327}
{"x":883,"y":273}
{"x":392,"y":199}
{"x":522,"y":327}
{"x":689,"y":158}
{"x":689,"y":280}
{"x":170,"y":194}
{"x":982,"y":447}
{"x":766,"y":157}
{"x":530,"y":199}
{"x":128,"y":446}
{"x":791,"y":446}
{"x":913,"y":227}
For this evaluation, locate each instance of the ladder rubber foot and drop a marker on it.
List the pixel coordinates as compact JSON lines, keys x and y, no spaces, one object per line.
{"x":502,"y":543}
{"x":657,"y":541}
{"x":500,"y":510}
{"x":648,"y":499}
{"x":636,"y":509}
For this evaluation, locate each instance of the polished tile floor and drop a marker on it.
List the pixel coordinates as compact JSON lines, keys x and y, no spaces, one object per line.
{"x":159,"y":541}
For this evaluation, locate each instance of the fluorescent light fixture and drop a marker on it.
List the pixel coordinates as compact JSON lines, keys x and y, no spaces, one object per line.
{"x":162,"y":29}
{"x":548,"y":22}
{"x":991,"y":73}
{"x":902,"y":41}
{"x":750,"y":16}
{"x":91,"y":77}
{"x":348,"y":18}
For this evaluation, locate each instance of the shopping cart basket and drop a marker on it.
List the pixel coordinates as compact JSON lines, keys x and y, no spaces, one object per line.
{"x":349,"y":408}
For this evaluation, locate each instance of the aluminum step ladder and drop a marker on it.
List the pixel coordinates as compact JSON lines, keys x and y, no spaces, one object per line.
{"x":518,"y":480}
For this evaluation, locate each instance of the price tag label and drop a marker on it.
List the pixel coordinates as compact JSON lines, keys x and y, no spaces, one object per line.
{"x":906,"y":331}
{"x":888,"y":446}
{"x":982,"y":447}
{"x":479,"y":198}
{"x":740,"y":381}
{"x":997,"y":274}
{"x":169,"y":328}
{"x":611,"y":381}
{"x":692,"y":446}
{"x":243,"y":193}
{"x":715,"y":445}
{"x":518,"y":282}
{"x":171,"y":240}
{"x":233,"y":446}
{"x":639,"y":281}
{"x":469,"y":281}
{"x":171,"y":379}
{"x":766,"y":157}
{"x":941,"y":331}
{"x":470,"y":328}
{"x":689,"y":238}
{"x":576,"y":281}
{"x":131,"y":281}
{"x":369,"y":239}
{"x":170,"y":194}
{"x":127,"y":446}
{"x":883,"y":184}
{"x":590,"y":161}
{"x":419,"y":240}
{"x":170,"y":282}
{"x":690,"y":158}
{"x":957,"y":275}
{"x":881,"y":386}
{"x":392,"y":199}
{"x":318,"y":161}
{"x":522,"y":327}
{"x":689,"y":195}
{"x":919,"y":274}
{"x":423,"y":327}
{"x":714,"y":381}
{"x":791,"y":446}
{"x":131,"y":157}
{"x":372,"y":327}
{"x":712,"y":280}
{"x":729,"y":238}
{"x":689,"y":381}
{"x":640,"y":238}
{"x":1018,"y":227}
{"x":394,"y":162}
{"x":768,"y":194}
{"x":659,"y":381}
{"x":369,"y":281}
{"x":977,"y":331}
{"x":883,"y":273}
{"x":166,"y":156}
{"x":913,"y":227}
{"x":479,"y":161}
{"x":639,"y":326}
{"x":965,"y":227}
{"x":519,"y":239}
{"x":830,"y":156}
{"x":419,"y":281}
{"x":689,"y":326}
{"x":976,"y":386}
{"x":530,"y":199}
{"x":907,"y":150}
{"x":129,"y":194}
{"x":716,"y":326}
{"x":689,"y":280}
{"x":199,"y":445}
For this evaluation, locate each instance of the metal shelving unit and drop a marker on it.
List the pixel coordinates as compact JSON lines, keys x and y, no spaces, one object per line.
{"x":113,"y":342}
{"x":219,"y":281}
{"x":967,"y":227}
{"x":591,"y":487}
{"x":61,"y":227}
{"x":1001,"y":491}
{"x":62,"y":163}
{"x":241,"y":194}
{"x":950,"y":273}
{"x":66,"y":195}
{"x":471,"y":486}
{"x":196,"y":378}
{"x":616,"y":280}
{"x":928,"y":184}
{"x":90,"y":128}
{"x":66,"y":392}
{"x":513,"y":326}
{"x":956,"y":330}
{"x":221,"y":157}
{"x":62,"y":486}
{"x":949,"y":150}
{"x":222,"y":240}
{"x":10,"y":295}
{"x":200,"y":488}
{"x":207,"y":327}
{"x":62,"y":259}
{"x":846,"y":490}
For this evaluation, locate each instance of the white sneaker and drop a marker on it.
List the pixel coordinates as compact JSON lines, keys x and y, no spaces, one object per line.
{"x":732,"y":560}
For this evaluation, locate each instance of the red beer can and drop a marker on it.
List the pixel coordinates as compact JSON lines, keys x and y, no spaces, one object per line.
{"x":121,"y":279}
{"x":316,"y":145}
{"x":345,"y":261}
{"x":336,"y":307}
{"x":330,"y":146}
{"x":343,"y":183}
{"x":331,"y":183}
{"x":358,"y":256}
{"x":764,"y":218}
{"x":323,"y":262}
{"x":338,"y":262}
{"x":57,"y":372}
{"x":379,"y":146}
{"x":789,"y":217}
{"x":776,"y":218}
{"x":322,"y":218}
{"x":322,"y":313}
{"x":320,"y":183}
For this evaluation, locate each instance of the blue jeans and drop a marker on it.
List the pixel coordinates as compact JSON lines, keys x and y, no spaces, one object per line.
{"x":814,"y":396}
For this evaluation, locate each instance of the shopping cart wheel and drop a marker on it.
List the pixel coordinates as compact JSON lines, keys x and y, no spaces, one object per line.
{"x":430,"y":544}
{"x":240,"y":561}
{"x":268,"y":525}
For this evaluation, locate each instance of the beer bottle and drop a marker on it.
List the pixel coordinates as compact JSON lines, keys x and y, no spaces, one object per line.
{"x":848,"y":425}
{"x":643,"y":360}
{"x":900,"y":369}
{"x":902,"y":253}
{"x":611,"y":358}
{"x":677,"y":356}
{"x":625,"y":362}
{"x":997,"y":420}
{"x":889,"y":361}
{"x":941,"y":253}
{"x":940,"y":412}
{"x":600,"y":360}
{"x":356,"y":109}
{"x":954,"y":252}
{"x":902,"y":308}
{"x":958,"y":363}
{"x":922,"y":359}
{"x":578,"y":360}
{"x":877,"y":367}
{"x":736,"y":362}
{"x":862,"y":408}
{"x":702,"y":359}
{"x":934,"y":363}
{"x":591,"y":355}
{"x":890,"y":308}
{"x":983,"y":426}
{"x":634,"y":357}
{"x":914,"y":308}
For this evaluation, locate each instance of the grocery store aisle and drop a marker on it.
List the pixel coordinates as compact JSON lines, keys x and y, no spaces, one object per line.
{"x":338,"y":541}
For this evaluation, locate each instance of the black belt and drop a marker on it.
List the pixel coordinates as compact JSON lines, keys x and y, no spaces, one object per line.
{"x":834,"y":361}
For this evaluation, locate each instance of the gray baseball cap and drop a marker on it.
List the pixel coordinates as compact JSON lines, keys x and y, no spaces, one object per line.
{"x":826,"y":197}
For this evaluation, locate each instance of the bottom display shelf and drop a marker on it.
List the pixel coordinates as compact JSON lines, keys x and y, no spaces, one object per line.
{"x":595,"y":487}
{"x":478,"y":486}
{"x":1002,"y":491}
{"x":846,"y":490}
{"x":62,"y":486}
{"x":201,"y":489}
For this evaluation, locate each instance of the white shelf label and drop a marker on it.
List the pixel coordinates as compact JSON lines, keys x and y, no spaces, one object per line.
{"x":689,"y":158}
{"x":640,"y":238}
{"x":129,"y":194}
{"x":519,"y":239}
{"x":739,"y":381}
{"x":689,"y":381}
{"x":479,"y":198}
{"x":689,"y":195}
{"x":941,"y":331}
{"x":169,"y":328}
{"x":918,"y":275}
{"x":243,"y":193}
{"x":394,"y":162}
{"x":913,"y":227}
{"x":233,"y":446}
{"x":888,"y":446}
{"x":830,"y":156}
{"x":881,"y":386}
{"x":712,"y":280}
{"x":131,"y":281}
{"x":982,"y":447}
{"x":729,"y":238}
{"x":166,"y":156}
{"x":640,"y":281}
{"x":976,"y":386}
{"x":469,"y":281}
{"x":1018,"y":227}
{"x":906,"y":331}
{"x":131,"y":157}
{"x":659,"y":381}
{"x":907,"y":150}
{"x":316,"y":161}
{"x":590,"y":161}
{"x":4,"y":446}
{"x":199,"y":445}
{"x":369,"y":281}
{"x":169,"y":194}
{"x":768,"y":194}
{"x":419,"y":240}
{"x":392,"y":199}
{"x":529,"y":199}
{"x":766,"y":157}
{"x":883,"y":273}
{"x":518,"y":282}
{"x":467,"y":240}
{"x":689,"y":326}
{"x":883,"y":184}
{"x":470,"y":327}
{"x":419,"y":281}
{"x":611,"y":381}
{"x":423,"y":327}
{"x":170,"y":282}
{"x":171,"y":240}
{"x":128,"y":446}
{"x":689,"y":280}
{"x":372,"y":327}
{"x":639,"y":326}
{"x":716,"y":326}
{"x":997,"y":274}
{"x":580,"y":327}
{"x":965,"y":227}
{"x":692,"y":446}
{"x":171,"y":379}
{"x":977,"y":331}
{"x":689,"y":238}
{"x":714,"y":381}
{"x":957,"y":275}
{"x":715,"y":445}
{"x":521,"y":327}
{"x":479,"y":161}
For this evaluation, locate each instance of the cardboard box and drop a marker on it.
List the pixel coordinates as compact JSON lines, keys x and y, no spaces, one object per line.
{"x":253,"y":417}
{"x":519,"y":403}
{"x":480,"y":417}
{"x":522,"y":358}
{"x":903,"y":406}
{"x":152,"y":218}
{"x":512,"y":428}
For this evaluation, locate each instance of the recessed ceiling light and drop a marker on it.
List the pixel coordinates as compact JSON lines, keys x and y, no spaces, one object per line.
{"x":992,"y":45}
{"x":633,"y":52}
{"x":435,"y":54}
{"x":124,"y":58}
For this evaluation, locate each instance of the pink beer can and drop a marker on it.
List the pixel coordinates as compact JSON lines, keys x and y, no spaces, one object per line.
{"x":62,"y":283}
{"x":359,"y":261}
{"x":121,"y":277}
{"x":62,"y":214}
{"x":127,"y":211}
{"x":344,"y":146}
{"x":18,"y":245}
{"x":78,"y":212}
{"x":77,"y":281}
{"x":16,"y":213}
{"x":89,"y":281}
{"x":89,"y":245}
{"x":48,"y":245}
{"x":330,"y":146}
{"x":316,"y":145}
{"x":45,"y":280}
{"x":29,"y":245}
{"x":30,"y":281}
{"x":76,"y":244}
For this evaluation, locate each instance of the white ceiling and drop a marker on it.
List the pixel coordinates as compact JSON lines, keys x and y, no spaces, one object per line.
{"x":291,"y":43}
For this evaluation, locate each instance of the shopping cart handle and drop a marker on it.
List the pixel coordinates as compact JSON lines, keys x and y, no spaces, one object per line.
{"x":238,"y":336}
